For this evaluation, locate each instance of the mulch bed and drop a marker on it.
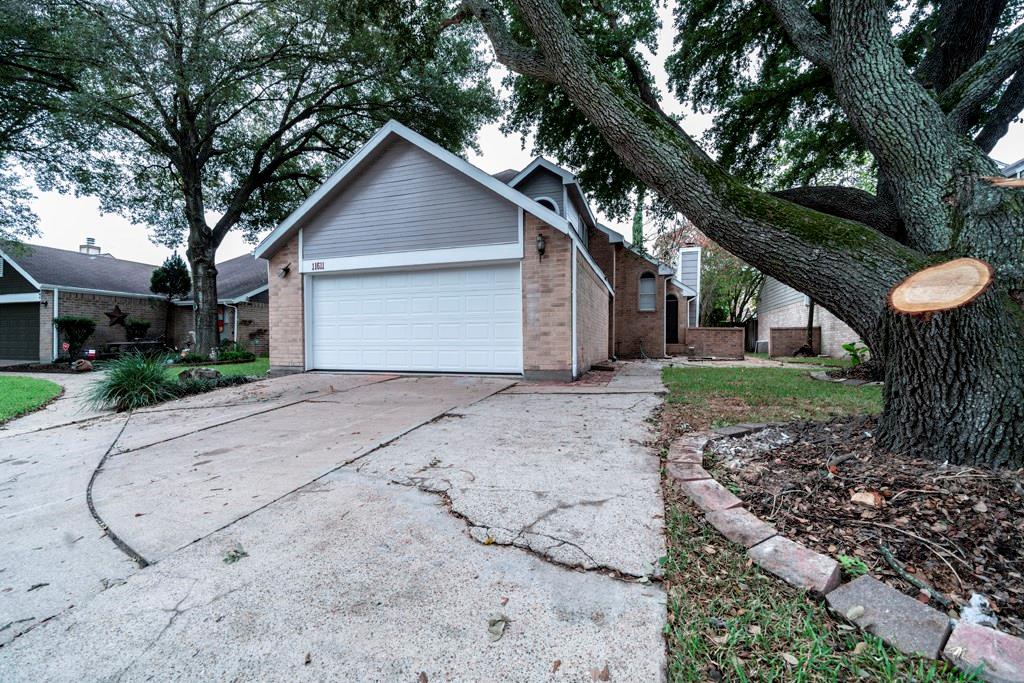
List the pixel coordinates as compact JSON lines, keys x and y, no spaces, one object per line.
{"x":54,"y":368}
{"x":870,"y":371}
{"x":959,"y":530}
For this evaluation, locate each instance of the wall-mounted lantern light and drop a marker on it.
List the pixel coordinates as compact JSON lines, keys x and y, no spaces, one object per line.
{"x":284,"y":270}
{"x":541,"y":245}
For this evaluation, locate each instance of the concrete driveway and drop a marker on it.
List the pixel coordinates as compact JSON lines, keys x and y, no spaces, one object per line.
{"x":375,"y":522}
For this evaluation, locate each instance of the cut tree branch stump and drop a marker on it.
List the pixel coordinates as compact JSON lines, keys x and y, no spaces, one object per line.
{"x":943,"y":287}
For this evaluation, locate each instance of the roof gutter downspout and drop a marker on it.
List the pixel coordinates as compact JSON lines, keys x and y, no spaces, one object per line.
{"x":56,"y":314}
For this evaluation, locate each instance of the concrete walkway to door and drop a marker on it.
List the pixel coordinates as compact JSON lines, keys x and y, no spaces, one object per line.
{"x":362,"y":526}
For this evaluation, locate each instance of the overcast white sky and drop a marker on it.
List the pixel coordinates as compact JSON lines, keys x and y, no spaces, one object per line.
{"x":65,"y":221}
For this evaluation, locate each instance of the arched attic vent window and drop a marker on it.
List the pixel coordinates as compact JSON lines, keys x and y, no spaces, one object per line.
{"x":647,"y":292}
{"x":547,"y":203}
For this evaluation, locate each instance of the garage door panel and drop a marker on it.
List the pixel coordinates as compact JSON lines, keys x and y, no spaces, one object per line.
{"x":454,"y":320}
{"x":19,"y":331}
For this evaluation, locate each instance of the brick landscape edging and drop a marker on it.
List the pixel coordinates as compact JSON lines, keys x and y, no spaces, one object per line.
{"x":876,"y":608}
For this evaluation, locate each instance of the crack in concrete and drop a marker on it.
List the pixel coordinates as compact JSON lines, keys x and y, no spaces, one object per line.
{"x":520,"y":539}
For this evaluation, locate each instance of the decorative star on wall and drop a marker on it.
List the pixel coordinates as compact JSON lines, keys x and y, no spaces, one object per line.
{"x":116,"y":316}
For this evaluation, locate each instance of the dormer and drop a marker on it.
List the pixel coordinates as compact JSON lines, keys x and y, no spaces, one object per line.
{"x":557,"y":189}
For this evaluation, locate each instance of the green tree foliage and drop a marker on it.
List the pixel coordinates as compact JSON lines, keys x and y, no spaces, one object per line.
{"x":32,"y":76}
{"x":777,"y":122}
{"x":728,"y":288}
{"x":198,"y":117}
{"x":75,"y":331}
{"x":171,"y":279}
{"x":616,"y":30}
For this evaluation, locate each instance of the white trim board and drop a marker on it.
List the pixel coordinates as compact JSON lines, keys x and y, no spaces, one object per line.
{"x":412,"y":259}
{"x":103,"y":292}
{"x":23,"y":298}
{"x":396,"y":129}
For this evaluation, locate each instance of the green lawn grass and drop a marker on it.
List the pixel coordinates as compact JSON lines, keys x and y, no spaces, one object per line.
{"x":20,"y":395}
{"x":729,"y":621}
{"x":720,"y":396}
{"x":794,"y":360}
{"x":256,"y":368}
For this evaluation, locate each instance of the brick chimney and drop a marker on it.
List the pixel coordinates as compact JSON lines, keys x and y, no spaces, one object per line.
{"x":89,"y":247}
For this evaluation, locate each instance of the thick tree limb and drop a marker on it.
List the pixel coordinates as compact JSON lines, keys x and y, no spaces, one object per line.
{"x":963,"y":31}
{"x":509,"y":52}
{"x":966,"y":95}
{"x":898,"y":120}
{"x":845,"y":265}
{"x":1010,"y":106}
{"x":806,"y":32}
{"x":850,"y":203}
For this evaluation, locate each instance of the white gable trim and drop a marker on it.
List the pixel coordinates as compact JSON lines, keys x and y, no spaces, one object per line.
{"x":613,"y":237}
{"x":541,"y":162}
{"x":394,"y":128}
{"x":685,"y":289}
{"x":21,"y":271}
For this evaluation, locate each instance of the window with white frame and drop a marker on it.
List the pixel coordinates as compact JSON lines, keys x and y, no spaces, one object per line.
{"x":648,"y":300}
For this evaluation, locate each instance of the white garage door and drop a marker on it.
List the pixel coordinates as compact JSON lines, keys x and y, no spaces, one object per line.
{"x":442,"y":320}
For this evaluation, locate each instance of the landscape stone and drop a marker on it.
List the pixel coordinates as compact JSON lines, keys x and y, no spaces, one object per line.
{"x":709,"y":495}
{"x":685,"y":454}
{"x":798,"y":565}
{"x":898,"y":619}
{"x":740,"y":526}
{"x":685,"y":471}
{"x":993,"y":656}
{"x":733,"y":430}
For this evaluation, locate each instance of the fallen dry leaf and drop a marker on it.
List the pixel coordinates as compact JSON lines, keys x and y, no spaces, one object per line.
{"x":870,"y":498}
{"x":556,"y":665}
{"x":790,"y":659}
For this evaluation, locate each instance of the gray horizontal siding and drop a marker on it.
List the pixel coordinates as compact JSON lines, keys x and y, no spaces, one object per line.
{"x":543,"y":183}
{"x":689,"y":269}
{"x":406,"y":200}
{"x":774,"y":294}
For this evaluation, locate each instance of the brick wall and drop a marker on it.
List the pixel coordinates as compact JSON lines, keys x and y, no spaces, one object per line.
{"x":253,"y":326}
{"x":285,"y":314}
{"x":604,"y":254}
{"x":834,"y":331}
{"x":45,"y":326}
{"x":785,"y":341}
{"x":547,"y":304}
{"x":94,"y":306}
{"x":592,"y":300}
{"x":715,"y":342}
{"x":635,"y":328}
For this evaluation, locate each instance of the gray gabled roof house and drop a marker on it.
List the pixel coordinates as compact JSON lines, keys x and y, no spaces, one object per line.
{"x":409,"y":258}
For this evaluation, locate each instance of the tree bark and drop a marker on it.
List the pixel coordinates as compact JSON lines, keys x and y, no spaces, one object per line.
{"x":955,"y":390}
{"x":201,"y":258}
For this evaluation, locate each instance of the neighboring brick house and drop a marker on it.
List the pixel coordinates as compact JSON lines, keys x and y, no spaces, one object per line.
{"x":40,"y":283}
{"x":409,"y":258}
{"x":782,"y":323}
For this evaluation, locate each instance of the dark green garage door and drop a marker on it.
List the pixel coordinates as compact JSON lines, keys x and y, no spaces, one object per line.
{"x":19,"y":331}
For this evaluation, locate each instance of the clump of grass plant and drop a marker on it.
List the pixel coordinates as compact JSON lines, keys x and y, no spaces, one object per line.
{"x":133,"y":381}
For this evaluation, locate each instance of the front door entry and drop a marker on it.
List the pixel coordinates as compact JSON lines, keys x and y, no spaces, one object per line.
{"x":671,"y":319}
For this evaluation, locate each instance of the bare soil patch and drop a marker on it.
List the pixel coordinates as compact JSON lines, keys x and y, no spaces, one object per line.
{"x":956,"y":529}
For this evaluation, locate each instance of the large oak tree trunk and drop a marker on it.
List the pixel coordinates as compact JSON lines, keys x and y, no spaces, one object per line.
{"x":201,"y":259}
{"x":955,"y":379}
{"x":954,"y":383}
